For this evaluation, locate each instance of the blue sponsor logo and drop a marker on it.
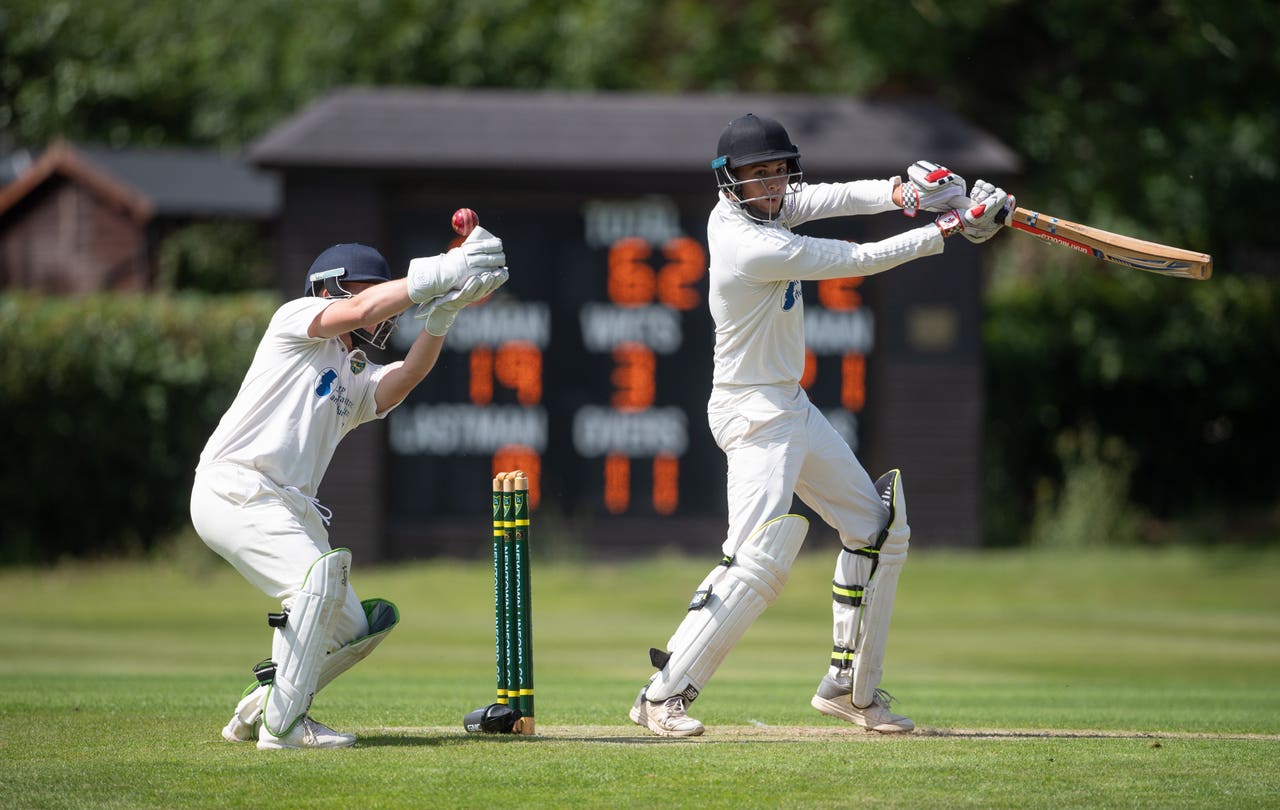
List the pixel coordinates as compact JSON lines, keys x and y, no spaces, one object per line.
{"x":325,"y":384}
{"x":792,"y":294}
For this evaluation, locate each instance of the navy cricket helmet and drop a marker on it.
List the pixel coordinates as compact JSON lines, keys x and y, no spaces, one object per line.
{"x":351,"y":262}
{"x":755,"y":139}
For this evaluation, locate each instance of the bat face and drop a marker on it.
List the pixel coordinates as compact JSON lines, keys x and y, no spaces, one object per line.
{"x":1113,"y":247}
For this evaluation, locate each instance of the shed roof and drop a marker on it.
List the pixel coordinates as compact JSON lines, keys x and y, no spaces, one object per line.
{"x":155,"y":182}
{"x":191,"y":182}
{"x":62,"y":160}
{"x":486,"y":129}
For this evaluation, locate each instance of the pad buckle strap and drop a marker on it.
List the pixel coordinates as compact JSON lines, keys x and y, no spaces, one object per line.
{"x":841,"y":657}
{"x":265,"y":672}
{"x":700,"y":599}
{"x":847,"y":594}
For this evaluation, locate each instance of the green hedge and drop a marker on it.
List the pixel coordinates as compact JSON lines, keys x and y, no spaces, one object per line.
{"x":106,"y":402}
{"x":1168,"y":382}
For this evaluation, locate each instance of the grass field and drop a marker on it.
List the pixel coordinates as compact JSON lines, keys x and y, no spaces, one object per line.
{"x":1036,"y":680}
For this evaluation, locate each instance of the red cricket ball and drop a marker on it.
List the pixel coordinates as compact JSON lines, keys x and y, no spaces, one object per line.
{"x":465,"y":221}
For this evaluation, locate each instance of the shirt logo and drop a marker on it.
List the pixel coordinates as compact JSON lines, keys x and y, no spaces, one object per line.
{"x":325,"y":384}
{"x":792,"y":294}
{"x":358,"y":361}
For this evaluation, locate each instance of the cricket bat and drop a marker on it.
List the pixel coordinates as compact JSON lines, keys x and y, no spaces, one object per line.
{"x":1112,"y":247}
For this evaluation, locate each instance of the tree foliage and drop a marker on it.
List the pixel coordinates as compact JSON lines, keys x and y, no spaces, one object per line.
{"x":1150,"y":115}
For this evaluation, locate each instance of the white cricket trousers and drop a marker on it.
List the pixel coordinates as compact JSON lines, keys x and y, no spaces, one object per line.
{"x":778,"y":444}
{"x":269,"y":534}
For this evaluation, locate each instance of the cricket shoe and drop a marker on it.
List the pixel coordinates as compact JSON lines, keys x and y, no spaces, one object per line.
{"x":666,"y":719}
{"x":243,"y":725}
{"x":307,"y":733}
{"x":835,"y":698}
{"x":237,"y":730}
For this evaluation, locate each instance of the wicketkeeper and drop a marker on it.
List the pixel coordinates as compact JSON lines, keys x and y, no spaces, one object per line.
{"x":255,"y":497}
{"x":776,"y":442}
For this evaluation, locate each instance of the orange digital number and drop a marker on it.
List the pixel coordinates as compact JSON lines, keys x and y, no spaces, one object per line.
{"x":853,"y":381}
{"x":633,"y":283}
{"x":481,"y":384}
{"x":521,"y":457}
{"x":666,"y":483}
{"x":840,"y":294}
{"x":687,"y":264}
{"x":617,"y":483}
{"x":633,"y":376}
{"x":631,"y":279}
{"x":810,"y":372}
{"x":518,"y":366}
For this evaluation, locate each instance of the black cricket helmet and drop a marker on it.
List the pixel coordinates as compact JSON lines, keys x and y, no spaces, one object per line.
{"x":754,"y":139}
{"x":351,"y":262}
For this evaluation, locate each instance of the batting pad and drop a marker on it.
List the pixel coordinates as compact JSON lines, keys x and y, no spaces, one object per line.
{"x":299,"y":645}
{"x":383,"y":617}
{"x":724,"y":606}
{"x":872,"y":627}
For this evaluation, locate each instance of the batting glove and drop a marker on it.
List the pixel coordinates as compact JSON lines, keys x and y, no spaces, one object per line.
{"x":432,"y":276}
{"x":439,"y":314}
{"x":977,"y":222}
{"x":986,"y":194}
{"x":931,"y":187}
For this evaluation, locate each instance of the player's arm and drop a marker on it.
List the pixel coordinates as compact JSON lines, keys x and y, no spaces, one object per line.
{"x":429,"y":278}
{"x":403,"y":377}
{"x":856,"y":197}
{"x":780,"y":256}
{"x":365,"y":309}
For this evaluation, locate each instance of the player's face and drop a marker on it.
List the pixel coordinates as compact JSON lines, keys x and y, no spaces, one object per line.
{"x":763,"y":185}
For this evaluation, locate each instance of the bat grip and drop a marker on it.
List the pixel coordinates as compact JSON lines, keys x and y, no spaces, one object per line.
{"x":1002,"y":215}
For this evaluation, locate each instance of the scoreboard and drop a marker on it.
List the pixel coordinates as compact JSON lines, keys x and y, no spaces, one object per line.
{"x":590,"y":370}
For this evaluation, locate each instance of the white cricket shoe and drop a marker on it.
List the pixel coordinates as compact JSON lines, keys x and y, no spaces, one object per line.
{"x":307,"y":733}
{"x":835,"y":698}
{"x":237,"y":730}
{"x":666,"y":719}
{"x":243,"y":725}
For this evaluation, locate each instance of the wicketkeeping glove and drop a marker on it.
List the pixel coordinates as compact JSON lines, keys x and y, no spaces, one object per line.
{"x":931,"y":187}
{"x":440,"y":312}
{"x":431,"y":276}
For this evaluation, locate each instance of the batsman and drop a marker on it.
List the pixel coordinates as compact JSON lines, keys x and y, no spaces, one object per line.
{"x":777,"y":443}
{"x":255,"y":497}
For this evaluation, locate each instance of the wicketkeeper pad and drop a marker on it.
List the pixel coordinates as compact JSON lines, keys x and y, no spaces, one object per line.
{"x":302,"y":634}
{"x":382,"y":615}
{"x":731,"y":597}
{"x":863,"y":591}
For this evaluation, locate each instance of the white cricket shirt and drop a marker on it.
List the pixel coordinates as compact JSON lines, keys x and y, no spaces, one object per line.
{"x":756,"y":269}
{"x":300,"y":396}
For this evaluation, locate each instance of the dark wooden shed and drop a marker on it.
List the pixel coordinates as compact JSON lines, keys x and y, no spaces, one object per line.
{"x":580,"y":184}
{"x":81,"y":219}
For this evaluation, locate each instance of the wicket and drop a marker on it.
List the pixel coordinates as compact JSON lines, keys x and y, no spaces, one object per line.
{"x":513,"y":619}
